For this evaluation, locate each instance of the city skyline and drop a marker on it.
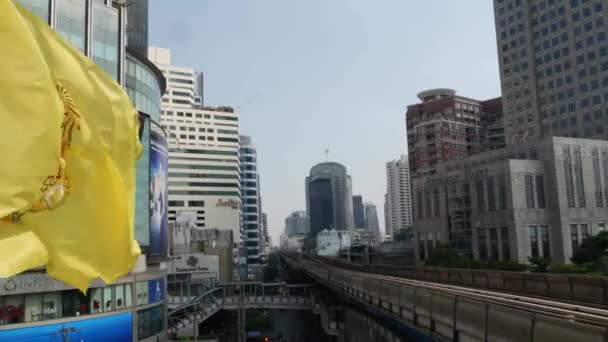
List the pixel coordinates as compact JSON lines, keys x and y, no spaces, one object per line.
{"x":348,"y":83}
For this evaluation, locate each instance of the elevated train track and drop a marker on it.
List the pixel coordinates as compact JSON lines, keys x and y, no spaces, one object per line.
{"x":462,"y":313}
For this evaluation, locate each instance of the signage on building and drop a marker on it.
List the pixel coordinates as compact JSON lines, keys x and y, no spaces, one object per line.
{"x":196,"y":263}
{"x":233,"y":204}
{"x":156,"y":290}
{"x":451,"y":179}
{"x":39,"y":282}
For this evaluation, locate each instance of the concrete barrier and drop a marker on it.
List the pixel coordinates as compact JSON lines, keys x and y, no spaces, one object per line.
{"x":470,"y":320}
{"x":407,"y":299}
{"x":559,"y":286}
{"x":423,"y":307}
{"x":443,"y":314}
{"x":507,"y":324}
{"x":550,"y":329}
{"x":587,"y":288}
{"x":480,"y":279}
{"x":536,"y":284}
{"x":514,"y":281}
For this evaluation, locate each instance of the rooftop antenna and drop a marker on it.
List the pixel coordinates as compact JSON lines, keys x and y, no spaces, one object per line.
{"x":326,"y":154}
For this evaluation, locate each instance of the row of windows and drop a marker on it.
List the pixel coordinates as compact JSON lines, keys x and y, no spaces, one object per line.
{"x":206,"y":184}
{"x":202,"y":175}
{"x":493,"y":243}
{"x":33,"y":307}
{"x":204,"y":193}
{"x":203,"y":167}
{"x":186,"y":114}
{"x":190,"y":204}
{"x":215,"y":152}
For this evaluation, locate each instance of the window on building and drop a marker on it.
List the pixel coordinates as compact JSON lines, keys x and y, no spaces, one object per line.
{"x":544,"y":235}
{"x":427,"y":204}
{"x":529,"y":191}
{"x":436,"y":204}
{"x":70,"y":21}
{"x":574,"y":237}
{"x":493,"y":244}
{"x":540,"y":191}
{"x":481,"y":200}
{"x":578,"y":175}
{"x":599,"y":200}
{"x":421,"y":244}
{"x":533,"y":241}
{"x":491,"y":194}
{"x":483,"y":243}
{"x":568,"y":177}
{"x":502,"y":192}
{"x":504,"y":238}
{"x":585,"y":232}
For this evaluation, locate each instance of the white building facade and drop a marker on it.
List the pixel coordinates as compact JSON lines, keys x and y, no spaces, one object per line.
{"x":204,"y":165}
{"x":398,"y":199}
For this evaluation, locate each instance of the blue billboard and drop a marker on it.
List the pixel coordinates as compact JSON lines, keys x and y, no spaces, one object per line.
{"x":156,"y":290}
{"x":117,"y":328}
{"x":159,"y":173}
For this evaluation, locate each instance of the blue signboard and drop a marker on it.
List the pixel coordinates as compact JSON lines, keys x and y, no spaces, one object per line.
{"x":117,"y":328}
{"x":156,"y":290}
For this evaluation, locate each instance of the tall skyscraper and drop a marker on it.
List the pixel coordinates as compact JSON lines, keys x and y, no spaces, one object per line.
{"x":358,"y":212}
{"x":553,"y":58}
{"x":398,"y":210}
{"x":296,"y":224}
{"x":445,"y":126}
{"x":371,"y":218}
{"x":204,"y":173}
{"x":329,"y":198}
{"x":250,"y":197}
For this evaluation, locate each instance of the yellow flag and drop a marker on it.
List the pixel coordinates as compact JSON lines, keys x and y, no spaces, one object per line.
{"x":68,"y":143}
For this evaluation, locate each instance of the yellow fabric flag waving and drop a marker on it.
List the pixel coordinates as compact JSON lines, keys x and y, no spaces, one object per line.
{"x":68,"y":143}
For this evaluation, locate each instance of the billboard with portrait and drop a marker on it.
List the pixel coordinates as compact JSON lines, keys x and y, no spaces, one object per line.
{"x":159,"y":172}
{"x":142,"y":185}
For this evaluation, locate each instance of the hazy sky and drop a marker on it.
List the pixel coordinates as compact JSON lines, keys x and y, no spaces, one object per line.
{"x":334,"y":74}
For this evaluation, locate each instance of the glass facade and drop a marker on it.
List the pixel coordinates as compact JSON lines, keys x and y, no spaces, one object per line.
{"x":105,"y":42}
{"x":38,"y":7}
{"x":35,"y":307}
{"x":143,"y":87}
{"x":70,"y":22}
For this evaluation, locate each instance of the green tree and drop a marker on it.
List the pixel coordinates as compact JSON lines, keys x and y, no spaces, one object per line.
{"x":592,"y":249}
{"x":539,"y":264}
{"x":446,"y":256}
{"x":310,"y":243}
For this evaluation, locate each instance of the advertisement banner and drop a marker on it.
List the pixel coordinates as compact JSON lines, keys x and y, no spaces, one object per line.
{"x":156,"y":290}
{"x":159,"y":171}
{"x":142,"y":185}
{"x":199,"y":263}
{"x":110,"y":328}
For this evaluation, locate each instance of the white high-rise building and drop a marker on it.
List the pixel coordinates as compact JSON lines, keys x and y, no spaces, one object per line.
{"x":398,"y":206}
{"x":296,"y":224}
{"x":371,"y":218}
{"x":204,"y":166}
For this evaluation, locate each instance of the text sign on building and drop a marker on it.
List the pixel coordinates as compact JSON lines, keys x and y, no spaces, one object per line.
{"x":27,"y":283}
{"x":196,"y":263}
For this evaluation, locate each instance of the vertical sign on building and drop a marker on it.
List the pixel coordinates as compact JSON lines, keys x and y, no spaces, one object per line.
{"x":158,"y":194}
